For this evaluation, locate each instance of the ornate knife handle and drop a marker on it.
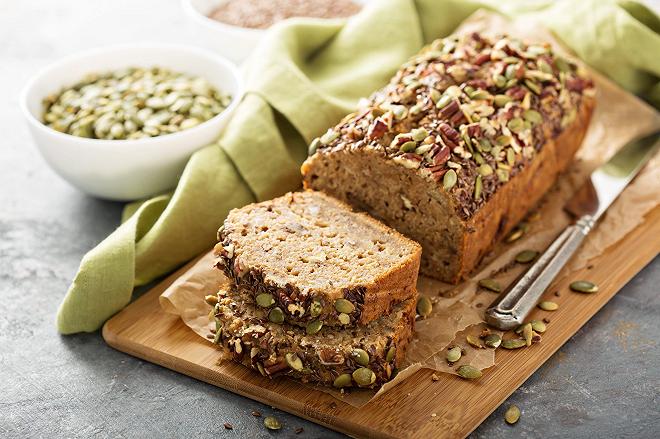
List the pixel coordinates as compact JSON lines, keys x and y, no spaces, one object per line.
{"x":512,"y":307}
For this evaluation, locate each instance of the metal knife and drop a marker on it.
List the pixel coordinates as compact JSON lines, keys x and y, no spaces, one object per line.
{"x":587,"y":205}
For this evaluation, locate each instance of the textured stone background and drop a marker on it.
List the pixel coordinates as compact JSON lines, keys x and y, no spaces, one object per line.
{"x":605,"y":382}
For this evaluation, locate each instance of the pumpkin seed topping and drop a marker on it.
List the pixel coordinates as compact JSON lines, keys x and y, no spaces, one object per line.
{"x":313,"y":146}
{"x":294,"y":361}
{"x":344,"y":318}
{"x":315,"y":308}
{"x":512,"y":415}
{"x":265,"y":300}
{"x":211,"y":299}
{"x":583,"y":286}
{"x":513,"y":343}
{"x":313,"y":327}
{"x":391,"y":352}
{"x":276,"y":315}
{"x":272,"y":423}
{"x":449,"y":179}
{"x":454,"y":354}
{"x":515,"y":235}
{"x":344,"y":306}
{"x":493,"y":340}
{"x":360,"y":356}
{"x":364,"y":376}
{"x":468,"y":372}
{"x":424,"y":306}
{"x":490,"y":284}
{"x":526,"y":256}
{"x":343,"y":380}
{"x":548,"y":305}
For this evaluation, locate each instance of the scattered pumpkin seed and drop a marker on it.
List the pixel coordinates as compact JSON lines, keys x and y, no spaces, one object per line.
{"x":364,"y":376}
{"x":538,"y":326}
{"x":315,"y":308}
{"x":294,"y":361}
{"x":584,"y":286}
{"x":527,"y":333}
{"x":314,"y":327}
{"x":526,"y":256}
{"x":513,"y":343}
{"x":449,"y":179}
{"x":468,"y":372}
{"x":344,"y":318}
{"x":454,"y":354}
{"x":272,"y":423}
{"x":512,"y":415}
{"x":424,"y":306}
{"x":493,"y":340}
{"x":265,"y":300}
{"x":490,"y":284}
{"x":360,"y":356}
{"x":391,"y":352}
{"x":547,"y":305}
{"x":343,"y":380}
{"x":474,"y":341}
{"x":276,"y":315}
{"x":344,"y":306}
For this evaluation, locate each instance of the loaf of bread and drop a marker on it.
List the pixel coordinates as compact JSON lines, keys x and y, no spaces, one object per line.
{"x":308,"y":258}
{"x":463,"y":141}
{"x":364,"y":356}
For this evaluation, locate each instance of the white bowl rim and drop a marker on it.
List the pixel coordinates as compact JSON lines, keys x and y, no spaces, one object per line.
{"x":208,"y":21}
{"x":130,"y":143}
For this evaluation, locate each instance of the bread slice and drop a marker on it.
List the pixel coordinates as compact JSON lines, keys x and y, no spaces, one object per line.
{"x":310,"y":258}
{"x":364,"y":356}
{"x":465,"y":139}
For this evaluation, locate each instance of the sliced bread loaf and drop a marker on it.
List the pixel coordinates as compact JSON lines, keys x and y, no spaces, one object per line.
{"x":364,"y":356}
{"x":309,"y":259}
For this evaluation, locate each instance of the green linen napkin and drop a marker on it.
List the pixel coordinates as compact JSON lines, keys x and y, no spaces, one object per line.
{"x":303,"y":78}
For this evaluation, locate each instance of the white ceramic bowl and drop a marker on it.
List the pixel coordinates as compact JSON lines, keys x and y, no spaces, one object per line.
{"x":126,"y":169}
{"x":234,"y":42}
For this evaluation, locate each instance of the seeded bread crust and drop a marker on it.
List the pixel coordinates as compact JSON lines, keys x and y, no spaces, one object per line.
{"x":466,"y":138}
{"x":312,"y":297}
{"x":248,"y":337}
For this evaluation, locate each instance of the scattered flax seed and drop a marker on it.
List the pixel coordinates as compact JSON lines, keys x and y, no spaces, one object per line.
{"x":256,"y":414}
{"x":228,"y":426}
{"x":333,"y":405}
{"x":434,"y":377}
{"x":299,"y":430}
{"x":546,"y":320}
{"x":557,"y":293}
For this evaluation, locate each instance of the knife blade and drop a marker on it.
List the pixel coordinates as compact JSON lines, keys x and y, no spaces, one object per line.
{"x":587,"y":205}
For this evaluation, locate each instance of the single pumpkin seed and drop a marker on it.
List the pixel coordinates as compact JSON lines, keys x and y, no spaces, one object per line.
{"x":538,"y":326}
{"x":424,"y":306}
{"x":313,"y":146}
{"x":329,"y":136}
{"x":510,"y":156}
{"x":474,"y":341}
{"x":478,"y":187}
{"x":364,"y":376}
{"x":218,"y":333}
{"x":493,"y":340}
{"x":344,"y":306}
{"x":468,"y":372}
{"x":515,"y":234}
{"x":454,"y":354}
{"x":584,"y":286}
{"x":516,"y":125}
{"x":533,"y":86}
{"x":501,"y":100}
{"x":360,"y":356}
{"x":408,"y":146}
{"x":513,"y":343}
{"x":512,"y":415}
{"x":547,"y":305}
{"x":500,"y":82}
{"x":344,"y":318}
{"x":276,"y":315}
{"x":261,"y":369}
{"x":490,"y":284}
{"x":485,"y":170}
{"x":211,"y":299}
{"x":265,"y":300}
{"x":526,"y":256}
{"x":391,"y":352}
{"x":444,"y":100}
{"x":449,"y":179}
{"x":271,"y":423}
{"x":314,"y":327}
{"x":343,"y":380}
{"x":527,"y":332}
{"x":419,"y":134}
{"x":315,"y":308}
{"x":533,"y":116}
{"x":294,"y":361}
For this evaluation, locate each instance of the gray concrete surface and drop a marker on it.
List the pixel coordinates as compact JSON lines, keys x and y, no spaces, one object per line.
{"x":604,"y":383}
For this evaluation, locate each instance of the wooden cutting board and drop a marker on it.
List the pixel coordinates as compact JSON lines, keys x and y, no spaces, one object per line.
{"x":419,"y":407}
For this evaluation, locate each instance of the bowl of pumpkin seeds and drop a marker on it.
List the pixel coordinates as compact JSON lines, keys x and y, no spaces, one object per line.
{"x":121,"y":122}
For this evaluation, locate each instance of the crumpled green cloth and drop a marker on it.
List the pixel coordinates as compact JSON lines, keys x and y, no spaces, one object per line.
{"x":303,"y":78}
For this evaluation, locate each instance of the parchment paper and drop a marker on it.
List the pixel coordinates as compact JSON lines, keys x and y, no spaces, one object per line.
{"x":458,"y":310}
